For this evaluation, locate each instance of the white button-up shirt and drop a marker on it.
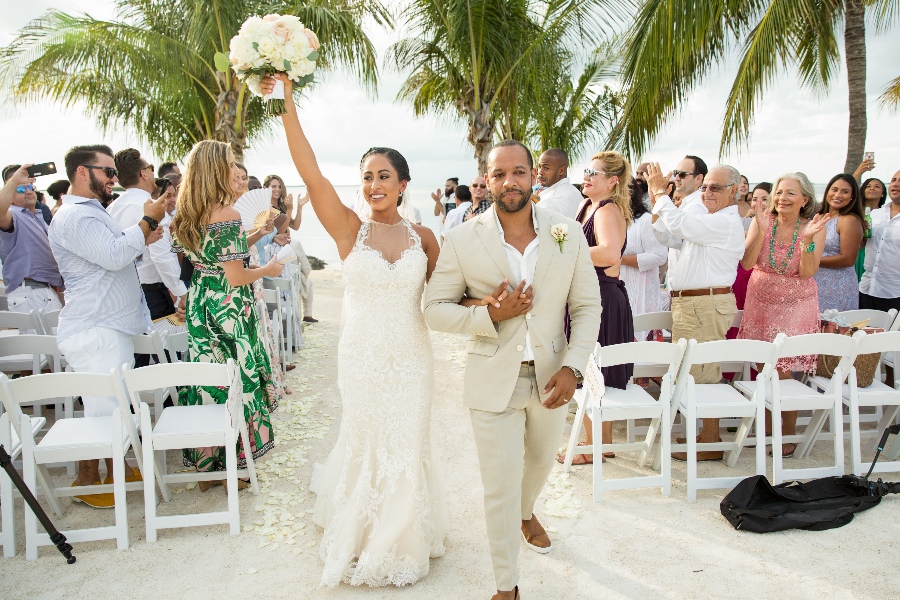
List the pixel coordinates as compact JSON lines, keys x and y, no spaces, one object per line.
{"x":455,"y":217}
{"x":157,"y":264}
{"x":882,"y":276}
{"x":96,"y":258}
{"x":692,"y":204}
{"x":711,"y":245}
{"x":522,"y":266}
{"x":562,"y":197}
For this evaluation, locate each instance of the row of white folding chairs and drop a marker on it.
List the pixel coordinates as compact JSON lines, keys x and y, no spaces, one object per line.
{"x":745,"y":401}
{"x":94,"y":438}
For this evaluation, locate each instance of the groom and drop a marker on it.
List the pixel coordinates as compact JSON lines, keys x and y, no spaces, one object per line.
{"x":520,"y":371}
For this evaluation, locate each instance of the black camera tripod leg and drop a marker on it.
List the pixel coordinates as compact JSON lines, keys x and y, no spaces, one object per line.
{"x":55,"y":536}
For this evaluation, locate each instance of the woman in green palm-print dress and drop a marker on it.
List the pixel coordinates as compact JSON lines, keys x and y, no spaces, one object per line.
{"x":221,"y":319}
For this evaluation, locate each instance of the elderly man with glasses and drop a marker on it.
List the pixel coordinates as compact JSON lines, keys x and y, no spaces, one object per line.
{"x":158,"y":268}
{"x":711,"y":244}
{"x":30,"y":273}
{"x":481,"y":202}
{"x":104,"y":304}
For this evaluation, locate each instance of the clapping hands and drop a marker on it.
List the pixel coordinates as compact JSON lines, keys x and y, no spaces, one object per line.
{"x":814,"y":227}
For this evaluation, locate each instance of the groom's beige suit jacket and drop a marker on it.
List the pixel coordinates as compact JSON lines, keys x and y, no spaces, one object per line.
{"x":473,"y":263}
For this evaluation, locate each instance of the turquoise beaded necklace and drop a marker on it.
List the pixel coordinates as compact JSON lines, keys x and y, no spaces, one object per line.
{"x":787,"y":261}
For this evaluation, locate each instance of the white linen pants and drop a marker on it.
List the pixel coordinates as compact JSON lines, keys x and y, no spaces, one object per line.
{"x":98,"y":350}
{"x":516,"y":450}
{"x":25,"y":299}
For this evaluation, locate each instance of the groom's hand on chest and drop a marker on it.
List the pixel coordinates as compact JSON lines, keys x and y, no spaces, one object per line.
{"x":516,"y":304}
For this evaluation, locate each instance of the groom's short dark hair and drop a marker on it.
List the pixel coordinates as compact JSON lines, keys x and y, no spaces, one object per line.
{"x":524,"y":148}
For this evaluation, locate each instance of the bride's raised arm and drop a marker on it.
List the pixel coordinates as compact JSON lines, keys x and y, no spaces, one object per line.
{"x":341,"y":223}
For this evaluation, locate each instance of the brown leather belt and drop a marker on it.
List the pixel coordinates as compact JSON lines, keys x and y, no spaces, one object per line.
{"x":529,"y":363}
{"x":701,"y":292}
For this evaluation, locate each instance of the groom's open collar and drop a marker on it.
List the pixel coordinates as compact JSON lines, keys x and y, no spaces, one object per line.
{"x":489,"y":234}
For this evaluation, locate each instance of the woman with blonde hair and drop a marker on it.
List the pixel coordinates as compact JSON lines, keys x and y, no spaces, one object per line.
{"x":605,"y":217}
{"x":783,"y":247}
{"x":221,"y":319}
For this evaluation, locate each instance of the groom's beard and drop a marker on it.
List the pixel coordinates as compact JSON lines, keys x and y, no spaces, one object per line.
{"x":511,"y":203}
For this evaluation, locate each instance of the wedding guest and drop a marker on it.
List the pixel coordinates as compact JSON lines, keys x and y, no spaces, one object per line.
{"x":759,"y":200}
{"x":688,"y":177}
{"x":711,"y":243}
{"x":167,"y":168}
{"x":240,"y":180}
{"x":880,"y":284}
{"x":104,"y":304}
{"x":643,"y":257}
{"x":136,"y":176}
{"x":874,"y":194}
{"x":39,"y":204}
{"x":56,"y":190}
{"x":836,"y":277}
{"x":463,"y":204}
{"x":558,"y":193}
{"x":161,"y":256}
{"x":745,"y":203}
{"x":284,"y":202}
{"x":447,"y":202}
{"x":221,"y":321}
{"x":30,"y":272}
{"x":481,"y":200}
{"x":605,"y":217}
{"x":640,"y":174}
{"x":253,"y":183}
{"x":784,"y":247}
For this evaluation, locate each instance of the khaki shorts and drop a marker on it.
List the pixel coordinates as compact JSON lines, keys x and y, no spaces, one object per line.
{"x":705,"y":319}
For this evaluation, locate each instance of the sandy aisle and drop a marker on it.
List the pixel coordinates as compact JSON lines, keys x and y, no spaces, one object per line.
{"x":636,"y":544}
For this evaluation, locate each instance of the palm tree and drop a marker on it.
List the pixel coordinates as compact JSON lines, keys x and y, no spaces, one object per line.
{"x":152,"y":68}
{"x":483,"y":60}
{"x":674,"y":44}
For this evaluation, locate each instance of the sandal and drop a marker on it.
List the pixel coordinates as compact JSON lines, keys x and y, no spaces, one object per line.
{"x":586,"y":459}
{"x":784,"y":452}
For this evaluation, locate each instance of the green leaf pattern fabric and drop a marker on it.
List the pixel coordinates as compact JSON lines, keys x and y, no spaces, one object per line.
{"x":222,"y":324}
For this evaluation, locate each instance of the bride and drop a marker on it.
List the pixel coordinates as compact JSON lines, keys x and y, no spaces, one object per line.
{"x":380,"y":500}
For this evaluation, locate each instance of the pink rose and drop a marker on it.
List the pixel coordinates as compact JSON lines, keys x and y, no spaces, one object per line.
{"x":313,"y":40}
{"x":271,"y":18}
{"x":281,"y":31}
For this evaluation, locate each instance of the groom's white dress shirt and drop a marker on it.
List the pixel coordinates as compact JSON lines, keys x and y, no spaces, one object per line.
{"x":522,"y":267}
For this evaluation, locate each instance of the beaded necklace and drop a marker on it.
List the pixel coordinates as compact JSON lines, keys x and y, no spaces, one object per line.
{"x":787,"y":261}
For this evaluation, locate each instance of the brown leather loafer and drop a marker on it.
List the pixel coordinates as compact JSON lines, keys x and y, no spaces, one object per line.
{"x":535,"y":537}
{"x":499,"y":596}
{"x":701,"y":456}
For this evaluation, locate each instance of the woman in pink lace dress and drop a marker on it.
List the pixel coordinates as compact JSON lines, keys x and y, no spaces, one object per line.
{"x":784,"y":246}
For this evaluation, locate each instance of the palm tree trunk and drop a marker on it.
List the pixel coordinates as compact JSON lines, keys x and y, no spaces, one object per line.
{"x":226,"y":119}
{"x":481,"y":134}
{"x":855,"y":50}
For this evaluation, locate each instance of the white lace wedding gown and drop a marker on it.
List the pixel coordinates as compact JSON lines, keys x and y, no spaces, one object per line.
{"x":380,"y":497}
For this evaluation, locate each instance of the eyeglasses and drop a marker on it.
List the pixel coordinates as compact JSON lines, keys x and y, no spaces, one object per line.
{"x":715,"y":189}
{"x":594,"y":172}
{"x":151,"y":168}
{"x":479,"y":185}
{"x":21,"y":189}
{"x":681,"y":174}
{"x":108,"y":171}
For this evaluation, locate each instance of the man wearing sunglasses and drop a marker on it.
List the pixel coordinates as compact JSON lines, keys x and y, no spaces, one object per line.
{"x":558,"y":195}
{"x":158,"y":271}
{"x":688,"y":176}
{"x":30,"y":273}
{"x":480,"y":199}
{"x":104,"y":304}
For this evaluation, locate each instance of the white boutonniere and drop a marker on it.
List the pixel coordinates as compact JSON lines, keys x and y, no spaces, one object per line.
{"x":560,"y":233}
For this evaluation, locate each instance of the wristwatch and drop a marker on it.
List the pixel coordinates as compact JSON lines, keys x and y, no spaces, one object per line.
{"x":578,"y":376}
{"x":151,"y":222}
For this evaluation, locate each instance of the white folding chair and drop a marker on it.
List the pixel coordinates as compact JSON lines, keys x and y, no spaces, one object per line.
{"x":602,"y":403}
{"x":822,"y":396}
{"x":178,"y":344}
{"x":719,"y":401}
{"x":33,"y":354}
{"x":28,"y":323}
{"x":889,"y":359}
{"x":24,"y":322}
{"x":152,"y":343}
{"x":285,"y":285}
{"x":877,"y":394}
{"x":274,"y":308}
{"x":648,"y":322}
{"x":883,"y":320}
{"x":196,"y":426}
{"x":49,"y":320}
{"x":87,"y":438}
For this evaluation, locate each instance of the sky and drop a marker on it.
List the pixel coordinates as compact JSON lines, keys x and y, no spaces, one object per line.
{"x":793,"y":131}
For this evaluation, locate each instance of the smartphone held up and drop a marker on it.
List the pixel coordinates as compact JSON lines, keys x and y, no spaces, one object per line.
{"x":47,"y":168}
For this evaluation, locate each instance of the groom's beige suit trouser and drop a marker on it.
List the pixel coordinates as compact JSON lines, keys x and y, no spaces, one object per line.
{"x":515,"y":459}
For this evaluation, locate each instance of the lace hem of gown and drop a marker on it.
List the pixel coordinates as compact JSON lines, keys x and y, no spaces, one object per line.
{"x":378,"y":569}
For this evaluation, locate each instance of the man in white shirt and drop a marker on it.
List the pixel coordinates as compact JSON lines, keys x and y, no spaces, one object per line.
{"x":158,"y":270}
{"x":879,"y":287}
{"x":711,"y":245}
{"x":447,"y":202}
{"x":457,"y":215}
{"x":558,"y":195}
{"x":688,"y":174}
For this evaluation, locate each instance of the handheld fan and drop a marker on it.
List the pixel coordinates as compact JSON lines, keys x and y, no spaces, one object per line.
{"x":255,"y":207}
{"x":169,"y":325}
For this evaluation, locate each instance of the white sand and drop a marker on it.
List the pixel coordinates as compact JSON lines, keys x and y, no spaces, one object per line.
{"x":636,"y":544}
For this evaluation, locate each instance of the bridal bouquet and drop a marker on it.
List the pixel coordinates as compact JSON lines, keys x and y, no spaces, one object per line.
{"x":274,"y":43}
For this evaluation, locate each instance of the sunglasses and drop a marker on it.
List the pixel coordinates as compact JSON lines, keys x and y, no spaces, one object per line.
{"x":715,"y":189}
{"x":149,"y":167}
{"x":681,"y":174}
{"x":479,"y":185}
{"x":108,"y":171}
{"x":21,"y":189}
{"x":594,"y":172}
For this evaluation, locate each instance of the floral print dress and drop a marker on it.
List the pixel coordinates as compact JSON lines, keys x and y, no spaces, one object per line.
{"x":223,"y":324}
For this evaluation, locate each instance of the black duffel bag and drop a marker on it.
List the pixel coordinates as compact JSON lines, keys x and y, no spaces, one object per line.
{"x":756,"y":505}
